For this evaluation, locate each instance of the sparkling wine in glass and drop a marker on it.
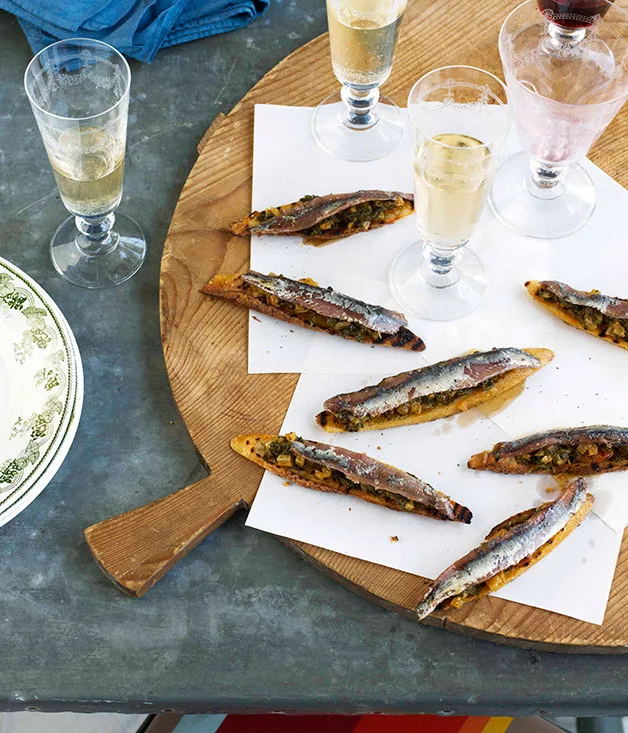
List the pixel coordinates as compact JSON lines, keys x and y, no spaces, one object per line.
{"x":562,"y":104}
{"x":79,"y":93}
{"x":461,"y":119}
{"x":88,"y":167}
{"x":452,"y":173}
{"x":363,"y":37}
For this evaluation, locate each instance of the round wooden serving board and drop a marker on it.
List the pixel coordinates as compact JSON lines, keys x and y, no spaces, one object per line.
{"x":205,"y":341}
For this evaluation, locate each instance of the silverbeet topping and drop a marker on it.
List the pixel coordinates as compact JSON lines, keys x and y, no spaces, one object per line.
{"x":430,"y":391}
{"x":346,"y":329}
{"x":355,"y":219}
{"x":581,"y":451}
{"x":326,"y":301}
{"x":589,"y":317}
{"x":353,"y":424}
{"x":590,"y":456}
{"x":339,"y":470}
{"x":329,"y":217}
{"x":305,"y":303}
{"x":279,"y":453}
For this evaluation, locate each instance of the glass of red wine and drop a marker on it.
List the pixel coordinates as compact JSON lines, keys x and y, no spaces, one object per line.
{"x":573,"y":13}
{"x":568,"y":21}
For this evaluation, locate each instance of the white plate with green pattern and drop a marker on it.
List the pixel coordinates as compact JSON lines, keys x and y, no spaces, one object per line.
{"x":41,"y":390}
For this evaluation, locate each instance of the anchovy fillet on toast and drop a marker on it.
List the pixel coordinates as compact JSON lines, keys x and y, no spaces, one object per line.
{"x":341,"y":471}
{"x":432,"y":392}
{"x":509,"y":550}
{"x":601,"y":315}
{"x":304,"y":303}
{"x":580,"y":451}
{"x":321,"y":218}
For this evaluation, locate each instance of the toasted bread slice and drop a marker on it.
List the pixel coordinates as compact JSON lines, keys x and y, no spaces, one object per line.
{"x":340,"y":471}
{"x":316,"y":308}
{"x":508,"y":550}
{"x":322,"y":219}
{"x":582,"y":451}
{"x":592,"y":299}
{"x":332,"y":423}
{"x":506,"y":576}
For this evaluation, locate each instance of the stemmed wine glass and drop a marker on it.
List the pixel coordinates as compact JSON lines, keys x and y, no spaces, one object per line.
{"x":79,"y":93}
{"x":568,"y":21}
{"x":461,"y":119}
{"x":566,"y":86}
{"x":352,"y":124}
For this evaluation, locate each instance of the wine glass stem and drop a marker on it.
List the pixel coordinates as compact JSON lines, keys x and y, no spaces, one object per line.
{"x":546,"y":181}
{"x":565,"y":38}
{"x":439,"y":265}
{"x":360,"y":106}
{"x":96,"y":235}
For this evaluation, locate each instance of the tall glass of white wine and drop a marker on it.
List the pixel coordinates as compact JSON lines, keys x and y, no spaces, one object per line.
{"x":352,"y":124}
{"x":79,"y":93}
{"x":461,"y":120}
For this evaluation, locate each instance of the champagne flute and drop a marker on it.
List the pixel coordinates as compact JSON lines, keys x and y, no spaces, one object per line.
{"x":79,"y":93}
{"x":461,"y":120}
{"x":563,"y":102}
{"x":363,"y":36}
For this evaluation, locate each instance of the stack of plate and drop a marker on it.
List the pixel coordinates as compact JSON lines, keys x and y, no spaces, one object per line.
{"x":41,"y":390}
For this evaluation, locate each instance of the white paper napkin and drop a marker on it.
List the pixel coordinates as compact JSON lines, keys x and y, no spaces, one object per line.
{"x":585,"y":384}
{"x":288,"y":164}
{"x":574,"y":580}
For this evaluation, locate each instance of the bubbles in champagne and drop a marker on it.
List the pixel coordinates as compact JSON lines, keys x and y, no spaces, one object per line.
{"x":88,"y":165}
{"x":363,"y":35}
{"x":452,"y":176}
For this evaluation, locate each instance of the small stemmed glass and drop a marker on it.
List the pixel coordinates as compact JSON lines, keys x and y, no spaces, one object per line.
{"x":566,"y":85}
{"x":461,"y":120}
{"x":79,"y":93}
{"x":568,"y":21}
{"x":352,"y":124}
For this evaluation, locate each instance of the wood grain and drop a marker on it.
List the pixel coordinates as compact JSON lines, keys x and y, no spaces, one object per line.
{"x":137,"y":548}
{"x":205,"y":341}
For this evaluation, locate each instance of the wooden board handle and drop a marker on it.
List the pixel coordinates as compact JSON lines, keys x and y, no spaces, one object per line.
{"x":134,"y":550}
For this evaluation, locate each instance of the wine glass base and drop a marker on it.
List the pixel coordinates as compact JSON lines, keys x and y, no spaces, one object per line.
{"x":104,"y":270}
{"x":349,"y":143}
{"x":417,"y":296}
{"x":543,"y":218}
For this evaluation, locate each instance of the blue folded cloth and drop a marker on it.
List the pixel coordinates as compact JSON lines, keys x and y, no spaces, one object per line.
{"x":137,"y":28}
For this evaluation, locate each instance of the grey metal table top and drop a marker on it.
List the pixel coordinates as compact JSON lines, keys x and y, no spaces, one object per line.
{"x":242,"y":623}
